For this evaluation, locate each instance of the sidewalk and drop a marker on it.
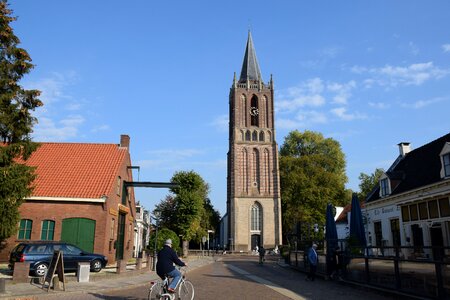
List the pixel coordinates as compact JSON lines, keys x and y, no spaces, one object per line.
{"x":106,"y":280}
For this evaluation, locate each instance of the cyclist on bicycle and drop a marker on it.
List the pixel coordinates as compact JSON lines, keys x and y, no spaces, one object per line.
{"x":166,"y":258}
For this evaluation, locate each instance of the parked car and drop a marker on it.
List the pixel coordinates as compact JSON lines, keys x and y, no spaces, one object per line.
{"x":40,"y":253}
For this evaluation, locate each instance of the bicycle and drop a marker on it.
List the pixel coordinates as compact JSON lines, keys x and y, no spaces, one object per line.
{"x":159,"y":289}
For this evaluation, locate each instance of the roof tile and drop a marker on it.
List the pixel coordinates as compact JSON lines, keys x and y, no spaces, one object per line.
{"x":76,"y":170}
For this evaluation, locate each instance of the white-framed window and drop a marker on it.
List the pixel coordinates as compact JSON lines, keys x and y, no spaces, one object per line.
{"x":256,"y":217}
{"x":446,"y":164}
{"x":384,"y":187}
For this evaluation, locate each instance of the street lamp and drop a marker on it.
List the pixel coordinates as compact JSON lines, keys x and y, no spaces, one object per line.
{"x":209,"y":231}
{"x":156,"y":216}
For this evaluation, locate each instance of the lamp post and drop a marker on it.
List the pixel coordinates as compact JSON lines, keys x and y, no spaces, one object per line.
{"x":209,"y":231}
{"x":155,"y":253}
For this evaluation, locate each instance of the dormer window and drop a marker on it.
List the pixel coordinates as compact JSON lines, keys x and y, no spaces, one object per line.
{"x":446,"y":164}
{"x":384,"y":187}
{"x":445,"y":161}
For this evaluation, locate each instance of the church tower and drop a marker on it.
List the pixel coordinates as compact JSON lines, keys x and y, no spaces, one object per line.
{"x":253,"y":184}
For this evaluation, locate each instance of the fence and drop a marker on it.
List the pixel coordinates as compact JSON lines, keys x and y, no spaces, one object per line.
{"x":409,"y":270}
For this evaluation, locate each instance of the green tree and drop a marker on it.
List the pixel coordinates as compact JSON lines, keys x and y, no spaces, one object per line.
{"x":165,"y":211}
{"x":368,"y":182}
{"x":312,"y":174}
{"x":16,"y":122}
{"x":190,"y":196}
{"x":163,"y":235}
{"x":188,"y":211}
{"x":211,"y":217}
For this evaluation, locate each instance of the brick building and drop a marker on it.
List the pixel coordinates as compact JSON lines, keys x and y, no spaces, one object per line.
{"x":253,"y":184}
{"x":80,"y":197}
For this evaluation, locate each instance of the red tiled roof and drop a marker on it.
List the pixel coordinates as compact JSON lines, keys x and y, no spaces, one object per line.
{"x":76,"y":170}
{"x":344,"y":214}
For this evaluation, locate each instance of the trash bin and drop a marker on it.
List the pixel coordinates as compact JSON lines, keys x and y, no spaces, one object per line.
{"x":83,"y":271}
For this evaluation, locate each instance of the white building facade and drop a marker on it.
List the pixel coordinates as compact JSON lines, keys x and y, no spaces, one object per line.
{"x":411,"y":204}
{"x":141,"y":230}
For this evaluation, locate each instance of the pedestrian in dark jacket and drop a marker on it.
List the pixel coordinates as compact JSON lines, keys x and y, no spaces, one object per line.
{"x":165,"y":265}
{"x":262,"y":253}
{"x":313,"y":259}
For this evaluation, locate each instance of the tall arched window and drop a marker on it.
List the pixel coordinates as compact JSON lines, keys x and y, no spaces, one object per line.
{"x":263,"y":112}
{"x":266,"y":171}
{"x":255,"y":168}
{"x":256,"y":217}
{"x":242,"y":111}
{"x":254,"y":111}
{"x":244,"y":171}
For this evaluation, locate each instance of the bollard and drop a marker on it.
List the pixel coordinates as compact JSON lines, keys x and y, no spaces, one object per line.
{"x":138,"y":263}
{"x":55,"y":281}
{"x":121,"y":266}
{"x":84,"y":269}
{"x":21,"y":271}
{"x":149,"y":261}
{"x":2,"y":285}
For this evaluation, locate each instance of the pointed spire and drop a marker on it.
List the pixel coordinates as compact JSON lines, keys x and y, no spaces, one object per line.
{"x":250,"y":68}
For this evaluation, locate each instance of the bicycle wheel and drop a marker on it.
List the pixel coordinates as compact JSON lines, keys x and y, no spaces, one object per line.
{"x":186,"y":291}
{"x":155,"y":291}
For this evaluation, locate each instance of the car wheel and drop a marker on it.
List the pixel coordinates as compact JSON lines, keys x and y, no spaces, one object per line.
{"x":96,"y":265}
{"x":41,"y":269}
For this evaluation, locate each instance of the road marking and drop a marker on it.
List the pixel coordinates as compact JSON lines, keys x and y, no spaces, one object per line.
{"x":269,"y":284}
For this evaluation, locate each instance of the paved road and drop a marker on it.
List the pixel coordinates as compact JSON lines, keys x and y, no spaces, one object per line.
{"x":243,"y":278}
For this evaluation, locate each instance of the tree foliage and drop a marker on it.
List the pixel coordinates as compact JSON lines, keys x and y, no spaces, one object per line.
{"x":16,"y":122}
{"x":368,"y":183}
{"x":163,"y":235}
{"x":187,"y":210}
{"x":189,"y":200}
{"x":312,"y":174}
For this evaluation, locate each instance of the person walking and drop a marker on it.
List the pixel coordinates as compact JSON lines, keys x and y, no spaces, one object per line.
{"x":165,"y":265}
{"x":261,"y":252}
{"x":313,"y":260}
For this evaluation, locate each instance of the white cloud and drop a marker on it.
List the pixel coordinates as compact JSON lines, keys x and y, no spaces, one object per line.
{"x":56,"y":119}
{"x":414,"y":74}
{"x":47,"y":130}
{"x":423,"y":103}
{"x":52,"y":88}
{"x":446,"y":47}
{"x":305,"y":94}
{"x":342,"y":114}
{"x":330,"y":52}
{"x":103,"y":127}
{"x":72,"y":121}
{"x":288,"y":124}
{"x":379,"y":105}
{"x":309,"y":117}
{"x":176,"y":153}
{"x":343,"y":91}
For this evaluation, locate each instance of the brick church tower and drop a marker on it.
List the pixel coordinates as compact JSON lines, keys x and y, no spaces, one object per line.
{"x":253,"y":184}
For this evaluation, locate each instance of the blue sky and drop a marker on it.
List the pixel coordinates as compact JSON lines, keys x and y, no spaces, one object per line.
{"x":368,"y":74}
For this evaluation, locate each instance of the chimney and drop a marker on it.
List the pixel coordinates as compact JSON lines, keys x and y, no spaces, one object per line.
{"x":404,"y":148}
{"x":125,"y":141}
